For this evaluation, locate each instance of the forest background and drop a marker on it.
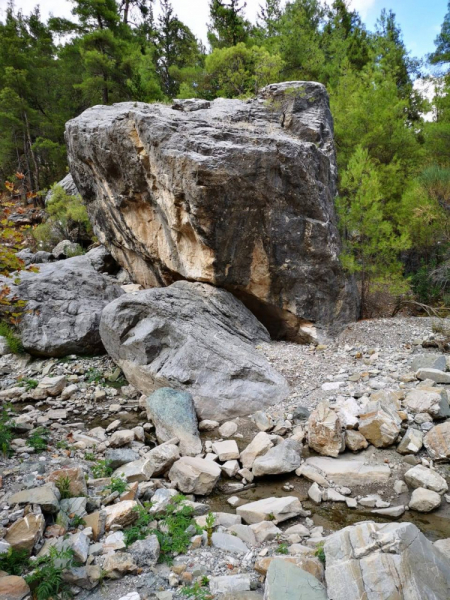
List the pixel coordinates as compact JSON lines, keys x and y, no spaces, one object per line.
{"x":394,"y":159}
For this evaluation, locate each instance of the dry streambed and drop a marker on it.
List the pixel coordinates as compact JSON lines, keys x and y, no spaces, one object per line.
{"x":263,"y":494}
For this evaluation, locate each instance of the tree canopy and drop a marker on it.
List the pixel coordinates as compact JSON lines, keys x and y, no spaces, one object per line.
{"x":393,"y":165}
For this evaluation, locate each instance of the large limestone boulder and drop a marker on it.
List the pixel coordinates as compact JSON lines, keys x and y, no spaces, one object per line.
{"x":348,"y":470}
{"x":26,"y":532}
{"x":432,"y":400}
{"x":379,"y":425}
{"x":236,"y":193}
{"x":420,"y":476}
{"x":378,"y":561}
{"x":271,"y":509}
{"x":195,"y":338}
{"x":64,"y":303}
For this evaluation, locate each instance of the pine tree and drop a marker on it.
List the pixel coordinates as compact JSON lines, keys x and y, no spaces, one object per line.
{"x":371,"y":244}
{"x":441,"y":55}
{"x":176,"y":48}
{"x":228,"y":25}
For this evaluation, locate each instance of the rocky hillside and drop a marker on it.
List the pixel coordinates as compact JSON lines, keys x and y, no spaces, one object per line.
{"x":326,"y":489}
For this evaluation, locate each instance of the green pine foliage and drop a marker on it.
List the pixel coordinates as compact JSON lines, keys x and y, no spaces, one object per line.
{"x":111,"y":51}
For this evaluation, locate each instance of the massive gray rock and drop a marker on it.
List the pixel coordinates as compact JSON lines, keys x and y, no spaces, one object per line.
{"x":380,"y":561}
{"x":234,"y":193}
{"x":197,"y":338}
{"x":64,"y":304}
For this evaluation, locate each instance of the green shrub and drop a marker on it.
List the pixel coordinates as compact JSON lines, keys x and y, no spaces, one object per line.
{"x":6,"y":431}
{"x":282,"y":549}
{"x":95,"y":376}
{"x":38,"y":439}
{"x":198,"y":591}
{"x":76,"y":521}
{"x":12,"y":339}
{"x":139,"y":530}
{"x":67,"y":220}
{"x":102,"y":469}
{"x":209,"y":528}
{"x":173,"y":535}
{"x":13,"y":562}
{"x":320,"y":552}
{"x":28,"y":384}
{"x":63,"y":485}
{"x":118,"y":485}
{"x":46,"y":581}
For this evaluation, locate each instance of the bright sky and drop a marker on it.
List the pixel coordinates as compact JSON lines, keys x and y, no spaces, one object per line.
{"x":420,"y":20}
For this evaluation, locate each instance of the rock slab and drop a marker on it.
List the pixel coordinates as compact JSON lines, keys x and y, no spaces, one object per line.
{"x":64,"y":303}
{"x":379,"y":561}
{"x":287,"y":581}
{"x":194,"y":338}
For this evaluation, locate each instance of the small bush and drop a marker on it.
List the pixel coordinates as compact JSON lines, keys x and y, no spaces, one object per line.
{"x":118,"y":485}
{"x":76,"y":521}
{"x":13,"y":562}
{"x":95,"y":376}
{"x":139,"y":530}
{"x":67,"y":220}
{"x":320,"y":552}
{"x":63,"y":485}
{"x":102,"y":469}
{"x":6,"y":432}
{"x":209,"y":528}
{"x":198,"y":591}
{"x":28,"y":384}
{"x":46,"y":581}
{"x":38,"y":439}
{"x":174,"y":537}
{"x":282,"y":549}
{"x":12,"y":339}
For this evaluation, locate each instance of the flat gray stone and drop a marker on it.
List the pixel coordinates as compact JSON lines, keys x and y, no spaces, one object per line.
{"x":286,"y":581}
{"x":282,"y":458}
{"x":47,"y":496}
{"x":429,"y":361}
{"x":228,"y":543}
{"x":349,"y":470}
{"x":230,"y":584}
{"x":434,"y":374}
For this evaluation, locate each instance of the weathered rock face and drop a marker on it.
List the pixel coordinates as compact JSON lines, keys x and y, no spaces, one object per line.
{"x":374,"y":561}
{"x":64,"y":303}
{"x":234,"y":193}
{"x":197,"y":338}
